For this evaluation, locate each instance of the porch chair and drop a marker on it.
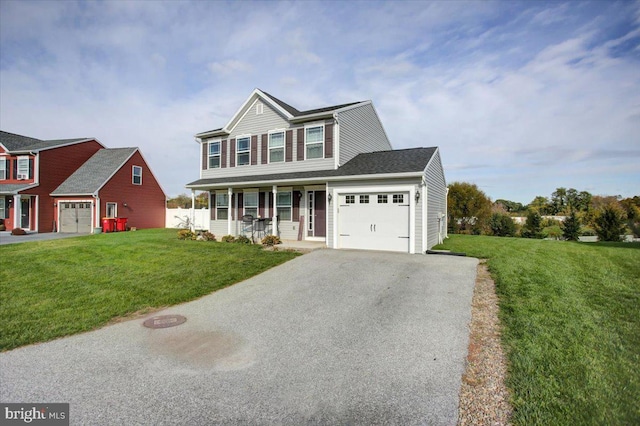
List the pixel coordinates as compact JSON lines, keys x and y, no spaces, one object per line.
{"x":247,"y":225}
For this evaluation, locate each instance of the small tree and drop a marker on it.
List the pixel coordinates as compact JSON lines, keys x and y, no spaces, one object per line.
{"x":571,"y":227}
{"x":610,"y":224}
{"x":469,"y":208}
{"x":533,"y":225}
{"x":502,"y":225}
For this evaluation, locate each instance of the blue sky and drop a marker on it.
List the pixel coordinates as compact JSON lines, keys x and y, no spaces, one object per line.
{"x":521,"y":97}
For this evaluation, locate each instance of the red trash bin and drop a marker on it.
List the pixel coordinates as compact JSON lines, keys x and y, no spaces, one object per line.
{"x":108,"y":224}
{"x":121,"y":224}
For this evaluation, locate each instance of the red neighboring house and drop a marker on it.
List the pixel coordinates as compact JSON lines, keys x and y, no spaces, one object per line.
{"x":120,"y":182}
{"x":70,"y":185}
{"x":30,"y":169}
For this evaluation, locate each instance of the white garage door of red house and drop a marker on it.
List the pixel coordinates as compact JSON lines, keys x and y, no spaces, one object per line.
{"x":75,"y":217}
{"x":374,"y":221}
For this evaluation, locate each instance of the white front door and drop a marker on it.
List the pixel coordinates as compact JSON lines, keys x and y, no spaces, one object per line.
{"x":374,"y":221}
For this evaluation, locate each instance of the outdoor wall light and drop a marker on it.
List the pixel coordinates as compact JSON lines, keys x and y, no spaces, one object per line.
{"x":329,"y":197}
{"x":417,"y":195}
{"x":124,"y":203}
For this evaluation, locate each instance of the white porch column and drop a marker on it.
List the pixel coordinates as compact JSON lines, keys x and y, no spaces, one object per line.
{"x":274,"y":220}
{"x":17,"y":211}
{"x":229,"y":210}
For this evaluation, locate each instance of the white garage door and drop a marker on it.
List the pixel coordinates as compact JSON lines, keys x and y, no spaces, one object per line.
{"x":75,"y":217}
{"x":374,"y":221}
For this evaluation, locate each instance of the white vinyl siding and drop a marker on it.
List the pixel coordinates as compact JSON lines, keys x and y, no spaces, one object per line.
{"x":360,"y":131}
{"x":214,"y":155}
{"x":276,"y":147}
{"x":436,"y":200}
{"x":314,"y":142}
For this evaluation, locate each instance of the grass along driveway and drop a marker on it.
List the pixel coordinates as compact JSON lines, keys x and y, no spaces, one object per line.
{"x":571,"y":319}
{"x":56,"y":288}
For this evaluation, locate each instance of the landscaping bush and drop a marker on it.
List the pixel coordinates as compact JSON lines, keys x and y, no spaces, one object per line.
{"x":228,"y":239}
{"x":206,"y":236}
{"x":243,"y":240}
{"x":554,"y":232}
{"x":271,"y":240}
{"x":18,"y":231}
{"x":186,"y":234}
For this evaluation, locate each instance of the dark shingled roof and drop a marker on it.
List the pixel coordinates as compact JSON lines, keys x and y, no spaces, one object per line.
{"x":14,"y":142}
{"x":95,"y":172}
{"x":371,"y":163}
{"x":13,"y":188}
{"x":293,"y":111}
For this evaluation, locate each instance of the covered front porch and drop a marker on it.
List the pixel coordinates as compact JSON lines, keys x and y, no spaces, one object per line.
{"x":18,"y":211}
{"x":293,"y":212}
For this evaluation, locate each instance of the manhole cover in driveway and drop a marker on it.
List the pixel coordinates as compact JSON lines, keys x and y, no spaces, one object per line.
{"x":164,"y":321}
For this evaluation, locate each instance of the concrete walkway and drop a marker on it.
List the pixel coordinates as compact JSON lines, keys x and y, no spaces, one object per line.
{"x":331,"y":337}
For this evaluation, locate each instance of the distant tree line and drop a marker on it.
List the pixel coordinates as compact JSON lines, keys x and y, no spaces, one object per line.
{"x":184,"y":201}
{"x":608,"y":217}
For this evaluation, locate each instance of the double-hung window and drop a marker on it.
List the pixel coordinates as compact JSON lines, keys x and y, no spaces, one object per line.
{"x":23,"y":167}
{"x":112,"y":210}
{"x":276,"y":147}
{"x":2,"y":207}
{"x":136,"y":172}
{"x":314,"y":141}
{"x":283,"y":204}
{"x":3,"y":171}
{"x":222,"y":206}
{"x":250,"y":200}
{"x":243,"y":151}
{"x":214,"y":155}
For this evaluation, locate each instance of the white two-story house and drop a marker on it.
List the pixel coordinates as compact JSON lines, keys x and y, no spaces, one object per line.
{"x":328,"y":174}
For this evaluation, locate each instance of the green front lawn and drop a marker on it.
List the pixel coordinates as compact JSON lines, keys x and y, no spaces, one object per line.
{"x":571,"y":327}
{"x":55,"y":288}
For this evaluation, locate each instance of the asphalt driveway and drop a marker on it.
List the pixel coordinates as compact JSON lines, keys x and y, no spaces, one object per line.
{"x":331,"y":337}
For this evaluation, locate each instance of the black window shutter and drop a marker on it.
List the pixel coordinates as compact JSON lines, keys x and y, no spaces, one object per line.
{"x":15,"y":169}
{"x":31,"y":168}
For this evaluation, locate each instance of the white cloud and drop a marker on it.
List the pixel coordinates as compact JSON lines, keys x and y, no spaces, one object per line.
{"x":518,"y":101}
